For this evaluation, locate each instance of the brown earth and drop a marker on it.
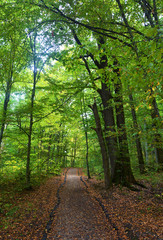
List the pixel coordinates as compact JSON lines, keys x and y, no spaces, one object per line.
{"x":82,"y":213}
{"x":79,"y":215}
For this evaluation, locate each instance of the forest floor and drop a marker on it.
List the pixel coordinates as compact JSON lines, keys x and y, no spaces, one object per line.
{"x":71,"y":207}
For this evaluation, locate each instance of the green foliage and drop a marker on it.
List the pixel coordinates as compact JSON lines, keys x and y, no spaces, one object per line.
{"x":58,"y":135}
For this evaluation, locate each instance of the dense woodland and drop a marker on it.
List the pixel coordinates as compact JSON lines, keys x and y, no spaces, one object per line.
{"x":80,"y":86}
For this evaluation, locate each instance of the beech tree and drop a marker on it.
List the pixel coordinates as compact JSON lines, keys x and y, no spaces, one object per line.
{"x":111,"y":48}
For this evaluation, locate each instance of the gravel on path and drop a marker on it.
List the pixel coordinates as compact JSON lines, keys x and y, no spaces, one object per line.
{"x":79,"y":215}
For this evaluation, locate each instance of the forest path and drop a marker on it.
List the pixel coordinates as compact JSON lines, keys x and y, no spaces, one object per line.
{"x":79,"y":215}
{"x":60,"y":209}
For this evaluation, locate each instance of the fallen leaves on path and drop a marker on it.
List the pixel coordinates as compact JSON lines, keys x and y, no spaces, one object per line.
{"x":32,"y":209}
{"x":79,"y":215}
{"x":136,"y":215}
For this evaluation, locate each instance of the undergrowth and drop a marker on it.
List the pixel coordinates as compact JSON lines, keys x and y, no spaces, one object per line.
{"x":11,"y":184}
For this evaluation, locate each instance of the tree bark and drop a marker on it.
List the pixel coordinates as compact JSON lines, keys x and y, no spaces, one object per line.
{"x":123,"y":173}
{"x":138,"y":142}
{"x":147,"y":11}
{"x":74,"y":157}
{"x":85,"y":125}
{"x":28,"y":172}
{"x":104,"y":153}
{"x":5,"y":106}
{"x":157,"y":137}
{"x":110,"y":133}
{"x":48,"y":154}
{"x":105,"y":94}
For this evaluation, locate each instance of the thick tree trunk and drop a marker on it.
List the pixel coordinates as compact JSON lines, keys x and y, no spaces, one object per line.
{"x":123,"y":172}
{"x":106,"y":97}
{"x":108,"y":115}
{"x":104,"y":153}
{"x":138,"y":142}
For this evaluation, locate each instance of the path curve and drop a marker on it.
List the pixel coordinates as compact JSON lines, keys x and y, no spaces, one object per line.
{"x":79,"y":215}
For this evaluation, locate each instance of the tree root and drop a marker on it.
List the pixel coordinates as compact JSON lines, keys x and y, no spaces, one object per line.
{"x":141,"y":185}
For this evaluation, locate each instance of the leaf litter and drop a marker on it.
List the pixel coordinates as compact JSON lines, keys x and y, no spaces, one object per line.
{"x":133,"y":215}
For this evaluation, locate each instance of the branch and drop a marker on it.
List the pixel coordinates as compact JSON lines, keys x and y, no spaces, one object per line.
{"x":127,"y":24}
{"x":94,"y":29}
{"x":22,"y":129}
{"x":132,"y":28}
{"x":155,"y":12}
{"x":147,"y":10}
{"x":89,"y":54}
{"x":61,"y":105}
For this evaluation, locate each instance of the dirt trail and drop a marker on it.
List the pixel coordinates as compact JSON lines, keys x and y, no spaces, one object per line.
{"x":66,"y":209}
{"x":79,"y":215}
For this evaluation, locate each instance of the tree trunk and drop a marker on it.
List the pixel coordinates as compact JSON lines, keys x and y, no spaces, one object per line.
{"x":108,"y":114}
{"x":138,"y":142}
{"x":58,"y":148}
{"x":85,"y":125}
{"x":123,"y":172}
{"x":150,"y":13}
{"x":52,"y":153}
{"x":5,"y":106}
{"x":87,"y":163}
{"x":74,"y":157}
{"x":48,"y":154}
{"x":28,"y":172}
{"x":158,"y":139}
{"x":106,"y":97}
{"x":104,"y":153}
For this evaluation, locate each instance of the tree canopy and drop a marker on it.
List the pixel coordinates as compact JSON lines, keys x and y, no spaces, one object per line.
{"x":81,"y":86}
